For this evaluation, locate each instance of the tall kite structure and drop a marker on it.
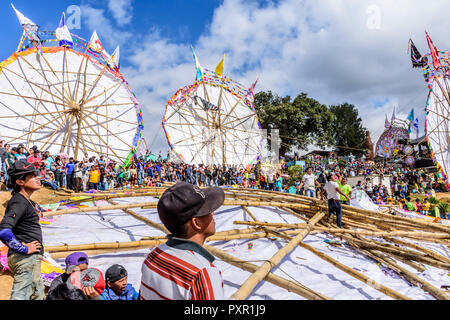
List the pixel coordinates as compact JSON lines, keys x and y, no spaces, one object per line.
{"x":436,"y":69}
{"x":213,"y":121}
{"x":67,"y":95}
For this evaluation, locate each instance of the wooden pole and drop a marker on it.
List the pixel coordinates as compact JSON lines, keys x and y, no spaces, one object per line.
{"x":260,"y":274}
{"x":270,"y":277}
{"x":141,"y":218}
{"x":377,"y":286}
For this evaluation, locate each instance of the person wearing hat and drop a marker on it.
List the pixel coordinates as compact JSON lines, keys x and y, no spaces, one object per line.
{"x":181,"y":268}
{"x":90,"y":281}
{"x":117,"y":288}
{"x":77,"y":261}
{"x":21,"y":232}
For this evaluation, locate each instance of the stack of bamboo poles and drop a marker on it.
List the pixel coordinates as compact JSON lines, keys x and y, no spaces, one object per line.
{"x":383,"y":237}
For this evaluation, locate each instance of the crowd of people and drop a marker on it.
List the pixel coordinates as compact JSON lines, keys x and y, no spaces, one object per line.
{"x":186,"y":210}
{"x":179,"y":269}
{"x":95,"y":172}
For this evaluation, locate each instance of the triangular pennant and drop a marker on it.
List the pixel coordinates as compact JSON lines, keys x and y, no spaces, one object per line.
{"x":28,"y":26}
{"x":198,"y":67}
{"x":387,"y":124}
{"x":63,"y":33}
{"x":434,"y":53}
{"x":94,"y":43}
{"x":219,"y":68}
{"x":416,"y":58}
{"x":251,"y":91}
{"x":116,"y":57}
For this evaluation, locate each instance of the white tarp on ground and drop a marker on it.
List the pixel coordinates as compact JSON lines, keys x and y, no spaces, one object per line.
{"x":300,"y":265}
{"x":360,"y":199}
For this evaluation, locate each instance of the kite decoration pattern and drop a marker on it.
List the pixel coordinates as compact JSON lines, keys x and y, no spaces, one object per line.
{"x":67,"y":95}
{"x":436,"y":69}
{"x":388,"y":145}
{"x":213,"y":120}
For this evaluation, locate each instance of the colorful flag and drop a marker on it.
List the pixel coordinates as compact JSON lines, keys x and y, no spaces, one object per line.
{"x":411,"y":116}
{"x":387,"y":124}
{"x":198,"y":67}
{"x":251,"y":91}
{"x":94,"y":44}
{"x":393,"y":117}
{"x":219,"y":68}
{"x":416,"y":126}
{"x":63,"y":34}
{"x":434,"y":53}
{"x":416,"y":58}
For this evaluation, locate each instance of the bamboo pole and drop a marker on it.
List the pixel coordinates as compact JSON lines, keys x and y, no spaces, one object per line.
{"x":156,"y":241}
{"x":412,"y":278}
{"x":429,"y":252}
{"x":272,"y":278}
{"x":260,"y":274}
{"x":249,"y":213}
{"x":101,"y":208}
{"x":417,"y":256}
{"x":339,"y":230}
{"x":141,"y":218}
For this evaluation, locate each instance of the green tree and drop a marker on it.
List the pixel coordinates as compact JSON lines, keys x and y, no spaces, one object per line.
{"x":300,"y":122}
{"x":348,"y":132}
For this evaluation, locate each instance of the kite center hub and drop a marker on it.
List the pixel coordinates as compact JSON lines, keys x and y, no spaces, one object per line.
{"x":75,"y":107}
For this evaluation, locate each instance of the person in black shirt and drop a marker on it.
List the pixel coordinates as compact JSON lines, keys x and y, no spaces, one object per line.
{"x":21,"y":232}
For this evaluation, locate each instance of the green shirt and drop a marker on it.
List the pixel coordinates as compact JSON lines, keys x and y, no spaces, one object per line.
{"x":10,"y":158}
{"x":346,"y":189}
{"x":410,"y":206}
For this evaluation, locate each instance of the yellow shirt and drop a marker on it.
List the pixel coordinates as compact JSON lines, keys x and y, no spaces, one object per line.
{"x":426,"y":206}
{"x":94,"y":176}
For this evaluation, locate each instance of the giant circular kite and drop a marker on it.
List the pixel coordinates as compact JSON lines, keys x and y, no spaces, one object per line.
{"x":213,"y":121}
{"x":437,"y":124}
{"x":387,"y":145}
{"x":68,"y":101}
{"x":436,"y":69}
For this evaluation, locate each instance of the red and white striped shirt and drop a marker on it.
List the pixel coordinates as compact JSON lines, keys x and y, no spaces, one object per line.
{"x":180,"y":269}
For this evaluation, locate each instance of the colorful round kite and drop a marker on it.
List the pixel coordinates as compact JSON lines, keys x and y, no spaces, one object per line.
{"x":387,"y":145}
{"x":67,"y":96}
{"x":436,"y":69}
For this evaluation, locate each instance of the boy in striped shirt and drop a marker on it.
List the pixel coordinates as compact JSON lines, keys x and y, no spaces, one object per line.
{"x":181,"y":269}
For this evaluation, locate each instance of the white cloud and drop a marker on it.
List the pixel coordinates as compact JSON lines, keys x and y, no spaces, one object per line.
{"x":122,"y":11}
{"x":324,"y":48}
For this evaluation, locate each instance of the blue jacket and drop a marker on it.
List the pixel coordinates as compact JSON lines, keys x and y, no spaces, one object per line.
{"x":129,"y":294}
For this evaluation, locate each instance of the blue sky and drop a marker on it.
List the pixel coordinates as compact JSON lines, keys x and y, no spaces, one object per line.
{"x":177,"y":20}
{"x":336,"y":51}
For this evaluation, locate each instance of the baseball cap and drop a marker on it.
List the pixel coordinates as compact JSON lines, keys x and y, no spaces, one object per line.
{"x":115,"y":272}
{"x":91,"y":277}
{"x":184,"y":201}
{"x":20,"y":167}
{"x":18,"y":171}
{"x":75,"y":259}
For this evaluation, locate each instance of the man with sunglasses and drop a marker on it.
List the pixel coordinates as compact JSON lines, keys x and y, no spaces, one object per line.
{"x":21,"y":232}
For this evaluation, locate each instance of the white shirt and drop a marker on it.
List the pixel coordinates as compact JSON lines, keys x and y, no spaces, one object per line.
{"x":308,"y":180}
{"x":330,"y":188}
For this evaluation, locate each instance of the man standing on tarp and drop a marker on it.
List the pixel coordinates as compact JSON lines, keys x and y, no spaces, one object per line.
{"x":21,"y":232}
